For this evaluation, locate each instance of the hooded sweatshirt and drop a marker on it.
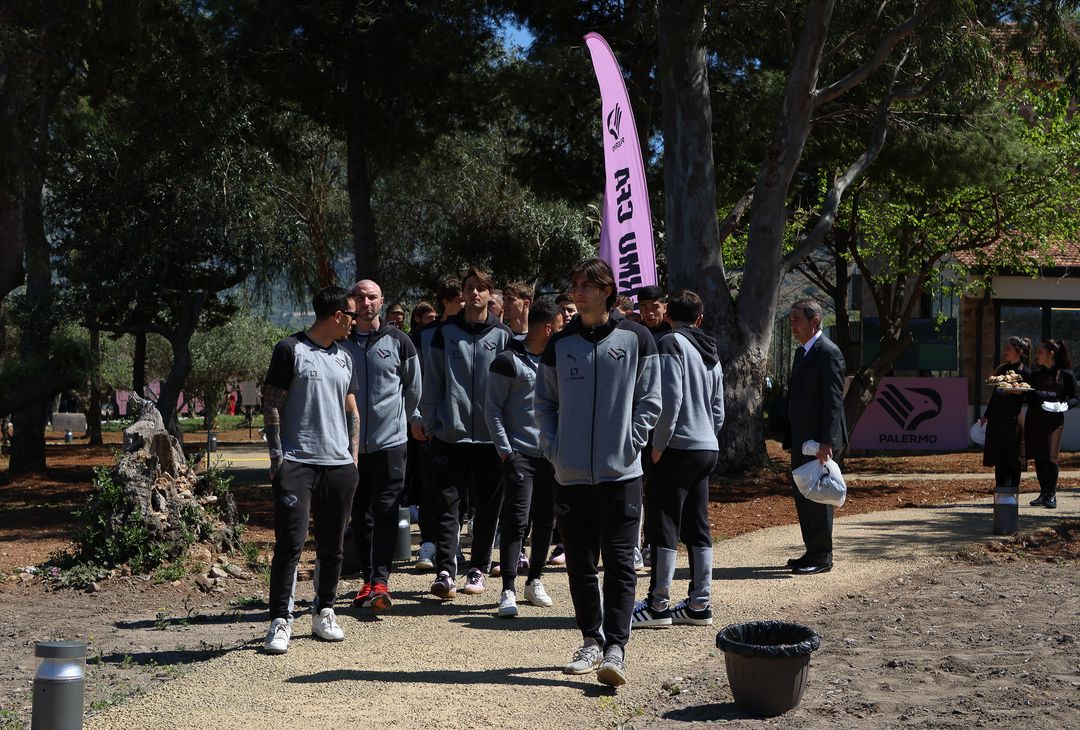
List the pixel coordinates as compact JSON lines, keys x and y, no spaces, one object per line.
{"x":693,"y":392}
{"x":388,"y":374}
{"x":508,"y":407}
{"x":597,"y":398}
{"x":456,"y":370}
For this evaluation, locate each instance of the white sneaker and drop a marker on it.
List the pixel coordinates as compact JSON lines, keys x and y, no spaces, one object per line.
{"x":536,"y":595}
{"x":508,"y":604}
{"x":425,"y":561}
{"x":639,"y":559}
{"x":277,"y":637}
{"x":325,"y":626}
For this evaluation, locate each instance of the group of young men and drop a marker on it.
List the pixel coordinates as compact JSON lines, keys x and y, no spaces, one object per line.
{"x":549,"y":422}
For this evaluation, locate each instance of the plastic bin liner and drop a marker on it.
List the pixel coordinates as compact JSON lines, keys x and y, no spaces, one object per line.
{"x":776,"y":639}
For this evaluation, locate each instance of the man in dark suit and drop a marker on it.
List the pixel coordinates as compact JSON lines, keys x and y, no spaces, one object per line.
{"x":815,"y":413}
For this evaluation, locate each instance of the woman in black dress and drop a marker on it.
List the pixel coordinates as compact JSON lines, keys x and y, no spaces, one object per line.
{"x":1054,"y":391}
{"x":1004,"y":445}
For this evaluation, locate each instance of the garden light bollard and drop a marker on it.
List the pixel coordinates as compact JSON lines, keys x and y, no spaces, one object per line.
{"x":1006,"y":510}
{"x":211,"y":446}
{"x":403,"y":547}
{"x":68,"y":437}
{"x":59,"y":681}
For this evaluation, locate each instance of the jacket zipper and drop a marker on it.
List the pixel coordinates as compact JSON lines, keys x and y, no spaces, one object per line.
{"x":367,"y":391}
{"x":592,"y":429}
{"x":472,"y":410}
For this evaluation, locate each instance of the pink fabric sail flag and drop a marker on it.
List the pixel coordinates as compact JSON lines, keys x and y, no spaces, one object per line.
{"x":626,"y":235}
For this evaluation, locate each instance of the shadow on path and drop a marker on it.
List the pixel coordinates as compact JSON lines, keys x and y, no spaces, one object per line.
{"x":709,"y":713}
{"x":502,"y":677}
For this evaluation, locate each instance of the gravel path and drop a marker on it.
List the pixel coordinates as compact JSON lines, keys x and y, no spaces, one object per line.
{"x":455,"y":665}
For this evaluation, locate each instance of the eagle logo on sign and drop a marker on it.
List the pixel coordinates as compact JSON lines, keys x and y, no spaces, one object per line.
{"x":614,"y":121}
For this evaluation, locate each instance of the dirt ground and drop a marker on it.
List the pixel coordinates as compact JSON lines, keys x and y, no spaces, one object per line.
{"x":143,"y":632}
{"x":990,"y":640}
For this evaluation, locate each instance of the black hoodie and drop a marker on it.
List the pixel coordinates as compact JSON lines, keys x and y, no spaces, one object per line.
{"x":692,"y":385}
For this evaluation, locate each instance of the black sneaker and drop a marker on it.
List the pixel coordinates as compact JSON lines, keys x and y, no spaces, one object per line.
{"x":647,"y":617}
{"x":1040,"y":500}
{"x":1050,"y":502}
{"x":684,"y":614}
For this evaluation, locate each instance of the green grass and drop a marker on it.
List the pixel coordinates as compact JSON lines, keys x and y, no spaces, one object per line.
{"x":9,"y":720}
{"x":189,"y":425}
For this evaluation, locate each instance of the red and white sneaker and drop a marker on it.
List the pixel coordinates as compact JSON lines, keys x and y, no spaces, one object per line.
{"x":363,"y":596}
{"x":380,"y":598}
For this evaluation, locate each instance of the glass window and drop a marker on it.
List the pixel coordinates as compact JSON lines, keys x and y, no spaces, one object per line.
{"x":1065,"y":325}
{"x":1020,"y":321}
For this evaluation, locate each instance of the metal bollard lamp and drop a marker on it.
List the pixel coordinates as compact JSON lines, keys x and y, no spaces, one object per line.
{"x":59,"y":683}
{"x":403,"y":547}
{"x":68,"y":437}
{"x":1006,"y":510}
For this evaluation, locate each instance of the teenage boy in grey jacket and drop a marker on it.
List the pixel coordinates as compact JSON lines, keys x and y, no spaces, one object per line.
{"x":388,"y":375}
{"x":684,"y":453}
{"x":597,"y":397}
{"x":528,"y":478}
{"x":456,"y":372}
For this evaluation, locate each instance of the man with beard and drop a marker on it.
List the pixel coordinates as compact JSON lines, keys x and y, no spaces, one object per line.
{"x":388,"y":378}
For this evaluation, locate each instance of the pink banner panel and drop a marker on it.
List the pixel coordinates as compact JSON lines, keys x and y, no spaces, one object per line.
{"x":915,"y":414}
{"x":626,"y":235}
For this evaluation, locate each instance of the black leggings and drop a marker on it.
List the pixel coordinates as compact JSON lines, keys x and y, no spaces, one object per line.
{"x":1047,"y":471}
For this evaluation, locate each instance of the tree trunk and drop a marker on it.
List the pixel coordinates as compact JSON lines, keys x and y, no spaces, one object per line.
{"x":28,"y":446}
{"x":693,"y":246}
{"x":180,"y":340}
{"x":11,"y":244}
{"x":93,"y":414}
{"x":357,"y":172}
{"x":865,"y":383}
{"x":742,"y":440}
{"x":138,"y":364}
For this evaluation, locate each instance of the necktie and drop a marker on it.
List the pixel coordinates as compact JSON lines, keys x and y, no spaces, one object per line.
{"x":800,"y":353}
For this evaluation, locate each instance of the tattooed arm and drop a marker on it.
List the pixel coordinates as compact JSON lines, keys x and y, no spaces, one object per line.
{"x":273,"y":400}
{"x":352,"y":416}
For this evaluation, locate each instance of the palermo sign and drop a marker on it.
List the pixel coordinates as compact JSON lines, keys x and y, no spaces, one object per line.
{"x":915,"y":414}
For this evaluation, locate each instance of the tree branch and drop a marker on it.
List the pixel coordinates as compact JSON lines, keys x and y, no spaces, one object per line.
{"x":836,"y":192}
{"x":738,"y":211}
{"x":884,"y":49}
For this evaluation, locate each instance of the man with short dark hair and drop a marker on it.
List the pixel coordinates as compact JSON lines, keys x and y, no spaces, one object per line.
{"x":395,"y":316}
{"x":518,"y":296}
{"x":388,"y":379}
{"x":684,"y":453}
{"x":566,"y":305}
{"x":815,"y":413}
{"x":456,"y":373}
{"x":528,"y":478}
{"x":652,"y":309}
{"x":597,"y":397}
{"x":312,"y":431}
{"x":448,"y":303}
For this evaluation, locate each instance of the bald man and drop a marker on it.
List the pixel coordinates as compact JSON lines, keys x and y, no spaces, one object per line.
{"x":388,"y":379}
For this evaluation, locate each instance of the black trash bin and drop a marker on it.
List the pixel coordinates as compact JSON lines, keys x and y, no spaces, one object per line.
{"x":767,"y":664}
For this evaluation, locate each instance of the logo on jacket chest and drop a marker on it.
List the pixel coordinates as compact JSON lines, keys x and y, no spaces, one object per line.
{"x":383,"y":354}
{"x":617,"y":354}
{"x":488,"y":345}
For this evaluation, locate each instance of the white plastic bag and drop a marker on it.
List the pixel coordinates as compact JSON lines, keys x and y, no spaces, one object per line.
{"x":821,"y":483}
{"x":978,"y":433}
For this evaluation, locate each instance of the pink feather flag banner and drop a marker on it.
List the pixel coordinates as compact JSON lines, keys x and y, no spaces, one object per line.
{"x":626,"y":235}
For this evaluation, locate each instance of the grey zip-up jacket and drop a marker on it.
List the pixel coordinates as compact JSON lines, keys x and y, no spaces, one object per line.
{"x":692,"y":385}
{"x":508,"y":407}
{"x":597,"y":398}
{"x":456,"y":371}
{"x":388,"y":374}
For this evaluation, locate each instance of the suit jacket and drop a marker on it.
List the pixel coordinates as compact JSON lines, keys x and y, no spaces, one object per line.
{"x":816,"y":399}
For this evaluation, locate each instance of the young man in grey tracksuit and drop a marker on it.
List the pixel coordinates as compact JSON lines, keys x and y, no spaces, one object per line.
{"x":456,"y":372}
{"x":388,"y":374}
{"x":684,"y":453}
{"x":528,"y":478}
{"x":597,"y":397}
